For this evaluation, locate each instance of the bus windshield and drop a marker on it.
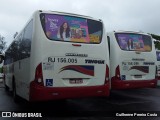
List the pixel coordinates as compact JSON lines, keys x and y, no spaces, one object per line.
{"x":134,"y":42}
{"x":71,"y":29}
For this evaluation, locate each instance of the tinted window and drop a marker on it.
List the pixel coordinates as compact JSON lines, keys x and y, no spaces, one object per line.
{"x":133,"y":42}
{"x":25,"y":43}
{"x":71,"y":29}
{"x":21,"y":47}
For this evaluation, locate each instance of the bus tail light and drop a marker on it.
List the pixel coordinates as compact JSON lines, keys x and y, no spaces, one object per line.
{"x":156,"y":71}
{"x":117,"y":74}
{"x":107,"y":74}
{"x":39,"y":75}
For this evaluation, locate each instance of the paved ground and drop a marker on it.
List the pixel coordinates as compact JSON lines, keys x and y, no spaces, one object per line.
{"x":132,"y":101}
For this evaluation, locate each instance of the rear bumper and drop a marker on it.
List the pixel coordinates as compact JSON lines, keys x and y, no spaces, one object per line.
{"x":41,"y":93}
{"x":121,"y":84}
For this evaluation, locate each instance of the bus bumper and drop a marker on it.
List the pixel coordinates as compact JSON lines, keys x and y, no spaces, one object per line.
{"x":121,"y":84}
{"x":42,"y":93}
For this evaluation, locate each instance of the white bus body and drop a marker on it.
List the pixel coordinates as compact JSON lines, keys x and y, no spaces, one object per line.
{"x":132,"y":60}
{"x":158,"y":67}
{"x":49,"y":60}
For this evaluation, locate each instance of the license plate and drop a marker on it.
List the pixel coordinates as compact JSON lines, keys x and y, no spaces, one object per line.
{"x":138,"y":76}
{"x":75,"y":81}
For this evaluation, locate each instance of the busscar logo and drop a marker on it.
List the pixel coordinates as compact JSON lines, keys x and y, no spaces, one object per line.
{"x":76,"y":54}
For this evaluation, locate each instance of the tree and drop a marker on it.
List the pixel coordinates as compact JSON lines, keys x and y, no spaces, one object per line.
{"x":157,"y":37}
{"x":157,"y":42}
{"x":3,"y":45}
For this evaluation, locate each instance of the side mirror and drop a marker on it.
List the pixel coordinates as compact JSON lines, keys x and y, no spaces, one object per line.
{"x":1,"y":58}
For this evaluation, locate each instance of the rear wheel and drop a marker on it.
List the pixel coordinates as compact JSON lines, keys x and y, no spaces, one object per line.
{"x":5,"y":86}
{"x":15,"y":96}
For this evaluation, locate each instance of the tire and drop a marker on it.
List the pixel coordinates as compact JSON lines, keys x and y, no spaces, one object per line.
{"x":15,"y":96}
{"x":5,"y":86}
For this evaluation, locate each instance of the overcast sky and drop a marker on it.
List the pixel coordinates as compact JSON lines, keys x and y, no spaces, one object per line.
{"x":135,"y":15}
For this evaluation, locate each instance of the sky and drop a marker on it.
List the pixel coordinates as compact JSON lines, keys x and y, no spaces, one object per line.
{"x":130,"y":15}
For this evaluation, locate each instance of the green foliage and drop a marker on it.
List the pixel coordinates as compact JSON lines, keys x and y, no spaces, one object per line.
{"x":2,"y":44}
{"x":157,"y":43}
{"x":157,"y":37}
{"x":1,"y":71}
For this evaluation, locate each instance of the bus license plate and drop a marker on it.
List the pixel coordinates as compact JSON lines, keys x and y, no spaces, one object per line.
{"x":137,"y":76}
{"x":75,"y":81}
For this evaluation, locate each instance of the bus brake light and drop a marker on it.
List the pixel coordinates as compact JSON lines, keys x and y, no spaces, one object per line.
{"x":39,"y":75}
{"x":107,"y":74}
{"x":117,"y":72}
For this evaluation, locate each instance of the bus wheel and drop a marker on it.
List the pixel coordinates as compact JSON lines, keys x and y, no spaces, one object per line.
{"x":15,"y":97}
{"x":5,"y":86}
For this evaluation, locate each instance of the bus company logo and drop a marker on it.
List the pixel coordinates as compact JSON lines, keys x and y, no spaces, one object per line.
{"x":95,"y":61}
{"x":144,"y":69}
{"x":84,"y":69}
{"x":17,"y":114}
{"x":138,"y":59}
{"x":6,"y":114}
{"x":149,"y":63}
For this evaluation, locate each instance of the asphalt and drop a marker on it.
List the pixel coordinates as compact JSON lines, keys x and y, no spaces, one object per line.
{"x":138,"y":101}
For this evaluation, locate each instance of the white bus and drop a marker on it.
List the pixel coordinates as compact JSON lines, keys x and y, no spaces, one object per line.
{"x":158,"y":67}
{"x":132,"y":60}
{"x":58,"y":56}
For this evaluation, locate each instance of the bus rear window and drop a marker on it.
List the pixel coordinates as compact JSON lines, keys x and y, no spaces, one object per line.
{"x":158,"y":55}
{"x":134,"y":42}
{"x":71,"y":29}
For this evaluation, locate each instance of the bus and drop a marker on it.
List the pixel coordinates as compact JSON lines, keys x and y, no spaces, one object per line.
{"x":1,"y":68}
{"x":158,"y":67}
{"x":132,"y":60}
{"x":58,"y":55}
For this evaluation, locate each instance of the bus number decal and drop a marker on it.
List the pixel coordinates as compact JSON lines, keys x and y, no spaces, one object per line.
{"x":67,"y":60}
{"x":50,"y":59}
{"x":62,"y":60}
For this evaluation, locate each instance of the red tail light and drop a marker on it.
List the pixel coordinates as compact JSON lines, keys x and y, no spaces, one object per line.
{"x":39,"y":75}
{"x":107,"y":74}
{"x":117,"y":74}
{"x":157,"y":73}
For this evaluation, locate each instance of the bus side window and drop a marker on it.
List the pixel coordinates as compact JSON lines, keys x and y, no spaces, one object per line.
{"x":1,"y":58}
{"x":25,"y":43}
{"x":108,"y":38}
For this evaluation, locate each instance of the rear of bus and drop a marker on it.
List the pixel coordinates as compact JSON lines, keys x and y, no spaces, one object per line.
{"x":68,"y":63}
{"x":132,"y":60}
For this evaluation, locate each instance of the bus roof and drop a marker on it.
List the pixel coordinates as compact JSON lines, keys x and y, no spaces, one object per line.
{"x":123,"y":31}
{"x":65,"y":13}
